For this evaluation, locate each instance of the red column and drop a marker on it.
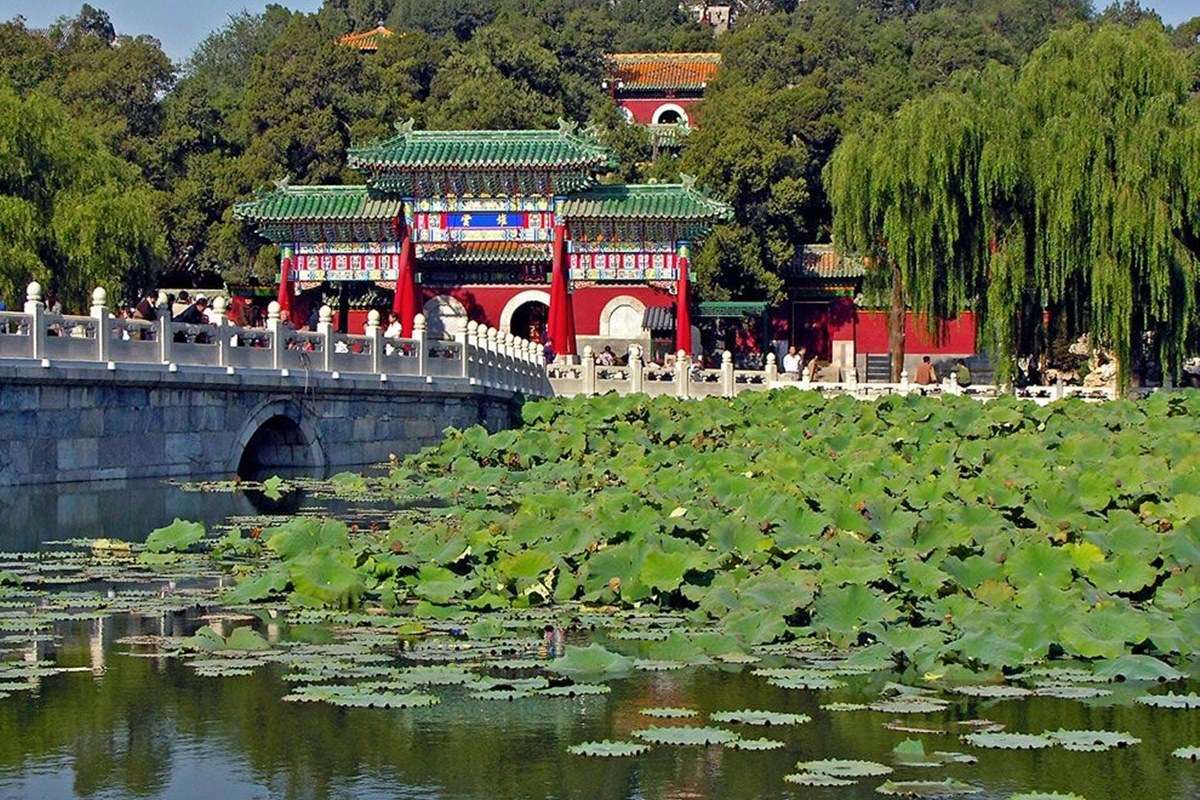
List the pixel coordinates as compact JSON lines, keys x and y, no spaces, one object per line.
{"x":286,"y":261}
{"x":406,"y":301}
{"x":560,"y":324}
{"x":683,"y":314}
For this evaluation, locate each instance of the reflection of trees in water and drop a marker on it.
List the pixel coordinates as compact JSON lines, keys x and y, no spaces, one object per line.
{"x":128,"y":731}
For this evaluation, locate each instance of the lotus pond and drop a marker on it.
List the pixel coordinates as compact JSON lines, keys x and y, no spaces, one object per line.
{"x":775,"y":596}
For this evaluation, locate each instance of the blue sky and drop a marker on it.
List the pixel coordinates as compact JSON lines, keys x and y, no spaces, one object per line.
{"x":181,"y":25}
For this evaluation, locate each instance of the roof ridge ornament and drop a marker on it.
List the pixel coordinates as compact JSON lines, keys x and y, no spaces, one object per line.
{"x":282,"y":184}
{"x":406,"y":127}
{"x":567,"y":126}
{"x":688,"y":181}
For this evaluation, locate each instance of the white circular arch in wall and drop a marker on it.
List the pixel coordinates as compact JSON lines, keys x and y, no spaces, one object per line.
{"x":622,"y":316}
{"x":516,"y":301}
{"x":445,"y":317}
{"x":664,"y":108}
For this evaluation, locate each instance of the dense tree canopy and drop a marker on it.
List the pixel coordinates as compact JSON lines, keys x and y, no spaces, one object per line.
{"x":271,"y":95}
{"x":1065,"y":190}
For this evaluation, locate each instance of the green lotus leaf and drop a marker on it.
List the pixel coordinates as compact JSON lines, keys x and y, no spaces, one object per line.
{"x":657,"y":665}
{"x":274,"y":487}
{"x":437,"y":675}
{"x":757,"y":744}
{"x":944,"y":788}
{"x":1039,"y":563}
{"x":1136,"y":668}
{"x":440,"y":585}
{"x":686,"y":735}
{"x":1171,"y":700}
{"x":246,"y":639}
{"x":608,"y":749}
{"x":1044,"y":796}
{"x":1007,"y":741}
{"x":1091,"y":741}
{"x":205,"y":640}
{"x":302,"y":535}
{"x":575,"y":690}
{"x":384,"y":700}
{"x":501,"y":694}
{"x":670,"y":712}
{"x":320,"y":578}
{"x":664,"y":571}
{"x":748,"y":716}
{"x":845,"y":768}
{"x":910,"y":750}
{"x":914,"y":705}
{"x":348,"y":483}
{"x":178,"y":536}
{"x":844,"y":612}
{"x":1187,"y":753}
{"x":816,"y":779}
{"x":839,"y":707}
{"x":590,"y":660}
{"x":528,"y":565}
{"x":992,"y":691}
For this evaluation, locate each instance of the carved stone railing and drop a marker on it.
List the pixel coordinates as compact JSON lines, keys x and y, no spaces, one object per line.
{"x":681,"y":378}
{"x":483,"y":356}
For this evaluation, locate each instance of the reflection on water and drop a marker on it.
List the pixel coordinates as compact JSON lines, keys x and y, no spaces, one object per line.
{"x":120,"y":726}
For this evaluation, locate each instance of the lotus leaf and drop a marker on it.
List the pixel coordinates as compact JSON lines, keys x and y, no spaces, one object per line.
{"x":245,"y":639}
{"x":179,"y":535}
{"x":1044,"y":796}
{"x":757,"y":744}
{"x":844,"y":768}
{"x":1092,"y":741}
{"x":686,"y":735}
{"x":992,"y":691}
{"x":1187,"y":753}
{"x":836,"y":707}
{"x":1136,"y":668}
{"x":1008,"y":741}
{"x":670,"y":712}
{"x":816,"y":779}
{"x":1171,"y":700}
{"x":591,"y":660}
{"x":608,"y":749}
{"x":944,"y":788}
{"x":748,"y":716}
{"x":575,"y":690}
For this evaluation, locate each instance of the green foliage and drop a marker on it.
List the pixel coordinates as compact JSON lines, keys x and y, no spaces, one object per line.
{"x":648,"y":504}
{"x":179,"y":535}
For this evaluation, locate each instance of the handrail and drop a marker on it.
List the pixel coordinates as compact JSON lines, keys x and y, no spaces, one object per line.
{"x":483,"y":356}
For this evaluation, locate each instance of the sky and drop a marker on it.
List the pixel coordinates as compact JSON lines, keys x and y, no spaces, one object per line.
{"x":181,"y":24}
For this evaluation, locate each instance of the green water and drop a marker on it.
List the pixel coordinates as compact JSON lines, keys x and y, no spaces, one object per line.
{"x":126,"y":726}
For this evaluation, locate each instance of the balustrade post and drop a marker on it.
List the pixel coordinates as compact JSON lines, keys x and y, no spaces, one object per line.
{"x":637,"y":375}
{"x":728,"y":383}
{"x":510,"y":361}
{"x":471,"y":352}
{"x":683,"y":374}
{"x":588,"y":375}
{"x":277,"y":334}
{"x":325,"y":330}
{"x":493,"y":353}
{"x":770,"y":370}
{"x":223,"y":344}
{"x":37,"y":322}
{"x":904,"y":385}
{"x":103,"y":323}
{"x":166,"y":332}
{"x":805,"y":376}
{"x":418,"y":333}
{"x":1058,"y":392}
{"x":952,"y":386}
{"x":371,"y":331}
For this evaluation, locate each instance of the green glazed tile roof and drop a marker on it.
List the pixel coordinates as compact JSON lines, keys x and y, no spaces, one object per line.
{"x":484,"y":252}
{"x":320,"y":204}
{"x":667,"y":201}
{"x":426,"y":150}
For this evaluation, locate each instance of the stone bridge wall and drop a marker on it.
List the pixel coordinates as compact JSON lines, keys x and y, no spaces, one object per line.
{"x":85,"y":422}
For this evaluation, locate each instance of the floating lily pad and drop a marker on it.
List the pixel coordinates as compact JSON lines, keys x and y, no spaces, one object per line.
{"x":1092,"y":741}
{"x":670,"y":712}
{"x":1044,"y":796}
{"x":914,"y":705}
{"x":845,"y":768}
{"x":575,"y":690}
{"x":686,"y":735}
{"x":654,"y":665}
{"x":757,"y":744}
{"x":992,"y":691}
{"x":1008,"y":741}
{"x":748,"y":716}
{"x":945,"y":788}
{"x":1171,"y":700}
{"x":838,"y":707}
{"x":501,"y":694}
{"x":816,"y":779}
{"x":608,"y":749}
{"x":1187,"y":753}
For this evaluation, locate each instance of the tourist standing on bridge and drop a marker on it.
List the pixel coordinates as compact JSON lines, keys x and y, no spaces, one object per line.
{"x":180,"y":304}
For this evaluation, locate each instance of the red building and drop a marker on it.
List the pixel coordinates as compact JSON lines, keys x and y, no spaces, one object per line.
{"x":508,"y":228}
{"x":660,"y":90}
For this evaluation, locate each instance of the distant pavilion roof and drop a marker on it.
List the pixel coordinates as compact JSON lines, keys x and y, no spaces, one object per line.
{"x":824,"y":262}
{"x":562,"y":149}
{"x":662,"y":71}
{"x":320,"y":204}
{"x":649,"y":201}
{"x":366,"y":41}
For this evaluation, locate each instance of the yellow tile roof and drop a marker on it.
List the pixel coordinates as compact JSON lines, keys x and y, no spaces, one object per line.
{"x":663,"y":70}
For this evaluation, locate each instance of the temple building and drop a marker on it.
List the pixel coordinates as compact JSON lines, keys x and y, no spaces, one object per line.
{"x":660,"y":90}
{"x":366,"y":41}
{"x":509,"y":228}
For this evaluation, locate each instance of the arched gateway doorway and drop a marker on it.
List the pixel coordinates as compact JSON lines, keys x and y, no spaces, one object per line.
{"x":526,"y":313}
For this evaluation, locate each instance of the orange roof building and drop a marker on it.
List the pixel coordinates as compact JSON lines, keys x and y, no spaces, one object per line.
{"x":659,"y":90}
{"x":366,"y":41}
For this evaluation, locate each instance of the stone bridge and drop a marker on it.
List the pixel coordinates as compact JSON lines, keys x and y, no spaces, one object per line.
{"x":93,"y":398}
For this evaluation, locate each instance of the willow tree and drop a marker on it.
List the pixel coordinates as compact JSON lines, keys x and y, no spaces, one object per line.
{"x":908,"y":194}
{"x":1072,"y":189}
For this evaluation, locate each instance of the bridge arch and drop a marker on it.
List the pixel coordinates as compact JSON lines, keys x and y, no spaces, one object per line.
{"x":277,"y":434}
